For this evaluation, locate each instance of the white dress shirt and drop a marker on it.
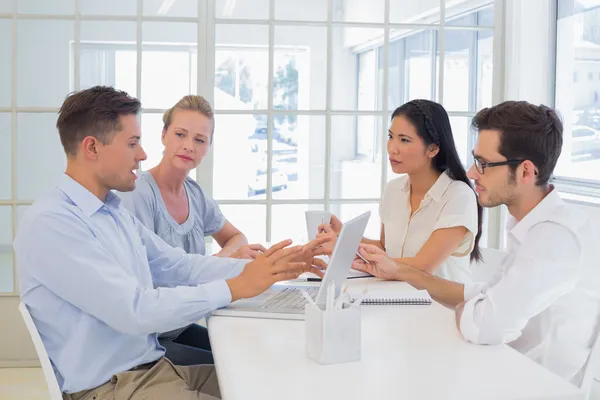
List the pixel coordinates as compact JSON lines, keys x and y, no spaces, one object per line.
{"x":544,"y":301}
{"x":447,"y":204}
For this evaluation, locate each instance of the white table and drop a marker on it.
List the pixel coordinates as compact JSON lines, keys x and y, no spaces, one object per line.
{"x":408,"y":352}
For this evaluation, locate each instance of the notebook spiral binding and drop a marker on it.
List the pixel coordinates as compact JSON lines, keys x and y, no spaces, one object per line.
{"x":374,"y":302}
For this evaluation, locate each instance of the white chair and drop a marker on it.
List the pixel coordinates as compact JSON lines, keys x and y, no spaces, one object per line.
{"x":592,"y":365}
{"x":53,"y":388}
{"x":485,"y":270}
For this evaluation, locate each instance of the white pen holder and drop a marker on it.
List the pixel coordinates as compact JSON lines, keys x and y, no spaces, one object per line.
{"x":332,"y":336}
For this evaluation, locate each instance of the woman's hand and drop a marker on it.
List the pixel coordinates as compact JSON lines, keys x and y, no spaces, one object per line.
{"x":249,"y":251}
{"x":326,"y":231}
{"x":334,"y":223}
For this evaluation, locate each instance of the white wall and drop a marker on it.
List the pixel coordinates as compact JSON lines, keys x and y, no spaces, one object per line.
{"x":529,"y":52}
{"x":43,"y":72}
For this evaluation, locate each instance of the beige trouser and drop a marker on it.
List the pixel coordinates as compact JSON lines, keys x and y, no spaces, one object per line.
{"x":162,"y":380}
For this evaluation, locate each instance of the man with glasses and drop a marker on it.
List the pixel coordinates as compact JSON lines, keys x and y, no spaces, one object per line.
{"x":544,"y":299}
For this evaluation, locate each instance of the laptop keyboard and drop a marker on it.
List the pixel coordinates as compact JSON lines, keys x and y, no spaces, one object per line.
{"x":290,"y":298}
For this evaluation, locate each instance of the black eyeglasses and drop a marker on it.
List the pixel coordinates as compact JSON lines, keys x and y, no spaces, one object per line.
{"x":482,"y":165}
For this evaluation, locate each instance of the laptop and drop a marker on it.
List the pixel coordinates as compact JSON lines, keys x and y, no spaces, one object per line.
{"x":285,"y":301}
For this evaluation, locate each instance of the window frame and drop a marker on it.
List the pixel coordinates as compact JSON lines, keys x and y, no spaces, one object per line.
{"x":474,"y":15}
{"x":206,"y":21}
{"x":581,"y":188}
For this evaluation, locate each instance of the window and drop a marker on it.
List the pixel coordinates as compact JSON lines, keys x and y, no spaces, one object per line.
{"x":578,"y":54}
{"x":413,"y":73}
{"x":301,"y":111}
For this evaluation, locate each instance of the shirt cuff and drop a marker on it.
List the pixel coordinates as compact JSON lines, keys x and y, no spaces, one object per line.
{"x":218,"y":293}
{"x":468,"y":328}
{"x":238,"y":267}
{"x":471,"y":290}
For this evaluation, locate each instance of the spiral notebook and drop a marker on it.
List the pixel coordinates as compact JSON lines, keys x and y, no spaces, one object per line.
{"x":379,"y":297}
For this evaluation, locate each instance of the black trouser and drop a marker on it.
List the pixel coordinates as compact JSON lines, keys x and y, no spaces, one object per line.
{"x":190,"y":347}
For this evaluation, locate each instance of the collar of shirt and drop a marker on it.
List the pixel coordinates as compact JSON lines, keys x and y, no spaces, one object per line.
{"x":86,"y":200}
{"x":542,"y":212}
{"x":437,"y":190}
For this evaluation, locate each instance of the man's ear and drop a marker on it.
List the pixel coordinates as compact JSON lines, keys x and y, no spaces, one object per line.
{"x":529,"y":171}
{"x":89,"y":147}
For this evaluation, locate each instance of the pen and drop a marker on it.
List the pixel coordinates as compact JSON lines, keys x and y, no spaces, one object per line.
{"x":308,"y":298}
{"x":358,"y":300}
{"x":350,"y":277}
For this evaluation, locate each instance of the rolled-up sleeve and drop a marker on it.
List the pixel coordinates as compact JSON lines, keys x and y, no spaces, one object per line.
{"x":543,"y":270}
{"x":460,"y":210}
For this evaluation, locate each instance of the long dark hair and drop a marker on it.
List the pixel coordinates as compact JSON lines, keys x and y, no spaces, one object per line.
{"x":433,"y":126}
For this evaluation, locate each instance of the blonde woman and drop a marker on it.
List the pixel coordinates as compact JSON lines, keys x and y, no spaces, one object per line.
{"x":176,"y":208}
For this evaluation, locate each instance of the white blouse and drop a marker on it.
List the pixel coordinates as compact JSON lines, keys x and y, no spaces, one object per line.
{"x":447,"y":204}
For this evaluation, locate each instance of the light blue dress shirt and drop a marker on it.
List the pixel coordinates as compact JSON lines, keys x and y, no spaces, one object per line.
{"x":99,"y":285}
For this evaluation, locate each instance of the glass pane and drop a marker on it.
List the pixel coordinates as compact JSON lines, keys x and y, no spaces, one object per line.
{"x":5,"y":66}
{"x":171,"y":8}
{"x":459,"y":82}
{"x":40,"y":156}
{"x":47,"y":43}
{"x":410,"y":73}
{"x":578,"y":89}
{"x":46,"y":7}
{"x":359,"y":11}
{"x":6,"y":253}
{"x":108,"y":7}
{"x":5,"y":157}
{"x":485,"y":68}
{"x":6,"y":6}
{"x":300,"y":80}
{"x":467,"y":73}
{"x":107,"y":55}
{"x":289,"y":222}
{"x":152,"y":126}
{"x":166,"y":63}
{"x":298,"y":156}
{"x":309,"y":10}
{"x":241,"y":67}
{"x":356,"y":83}
{"x":415,"y":12}
{"x":463,"y":138}
{"x":249,"y":219}
{"x":346,"y":212}
{"x":354,"y":172}
{"x":240,"y":163}
{"x":483,"y":17}
{"x":242,"y":9}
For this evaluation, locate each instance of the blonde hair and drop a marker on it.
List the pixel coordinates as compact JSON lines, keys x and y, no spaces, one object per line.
{"x":191,"y":103}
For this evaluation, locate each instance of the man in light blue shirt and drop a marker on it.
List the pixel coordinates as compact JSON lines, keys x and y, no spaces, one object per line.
{"x":99,"y":285}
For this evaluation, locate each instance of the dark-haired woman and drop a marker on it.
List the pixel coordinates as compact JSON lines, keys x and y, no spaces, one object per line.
{"x":430,"y":216}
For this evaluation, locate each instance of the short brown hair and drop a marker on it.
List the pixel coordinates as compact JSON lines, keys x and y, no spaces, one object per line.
{"x":93,"y":112}
{"x":528,"y":132}
{"x":191,"y":103}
